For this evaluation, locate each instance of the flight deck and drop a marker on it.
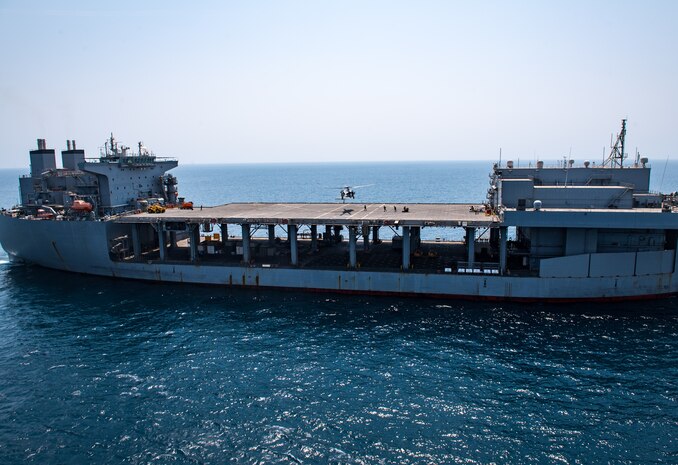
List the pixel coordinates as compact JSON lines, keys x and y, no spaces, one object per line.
{"x":345,"y":214}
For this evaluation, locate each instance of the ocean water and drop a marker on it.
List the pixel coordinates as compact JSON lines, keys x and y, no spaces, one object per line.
{"x":95,"y":370}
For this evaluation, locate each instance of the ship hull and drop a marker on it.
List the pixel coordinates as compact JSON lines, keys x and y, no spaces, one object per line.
{"x":82,"y":247}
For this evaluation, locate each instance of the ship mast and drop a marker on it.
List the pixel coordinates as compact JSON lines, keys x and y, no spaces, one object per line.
{"x":616,"y":157}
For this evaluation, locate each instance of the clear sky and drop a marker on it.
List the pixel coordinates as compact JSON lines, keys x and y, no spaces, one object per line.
{"x":262,"y":81}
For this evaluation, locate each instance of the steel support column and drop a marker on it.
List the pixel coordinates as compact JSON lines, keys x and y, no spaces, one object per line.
{"x":406,"y":248}
{"x":136,"y":241}
{"x":352,"y":255}
{"x":328,"y":233}
{"x":375,"y":234}
{"x":314,"y":238}
{"x":366,"y":238}
{"x":162,"y":242}
{"x":471,"y":246}
{"x":337,"y":233}
{"x":246,"y":243}
{"x":194,"y":238}
{"x":292,"y":237}
{"x":415,"y":237}
{"x":271,"y":234}
{"x":503,"y":237}
{"x":224,"y":232}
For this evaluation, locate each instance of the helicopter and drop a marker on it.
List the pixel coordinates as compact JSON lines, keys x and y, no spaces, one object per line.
{"x":348,"y":192}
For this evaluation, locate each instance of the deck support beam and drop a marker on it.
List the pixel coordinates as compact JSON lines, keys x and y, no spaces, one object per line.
{"x":352,"y":255}
{"x":292,"y":236}
{"x":246,"y":243}
{"x":503,"y":237}
{"x":224,"y":232}
{"x":471,"y":246}
{"x":375,"y":234}
{"x":328,"y":234}
{"x":406,"y":248}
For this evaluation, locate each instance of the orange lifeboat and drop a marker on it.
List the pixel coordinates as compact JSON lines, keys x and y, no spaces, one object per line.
{"x":81,"y":206}
{"x":44,"y":214}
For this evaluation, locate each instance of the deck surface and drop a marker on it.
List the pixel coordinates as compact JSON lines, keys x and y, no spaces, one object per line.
{"x":418,"y":214}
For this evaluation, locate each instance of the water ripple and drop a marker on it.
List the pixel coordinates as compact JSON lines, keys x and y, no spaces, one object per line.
{"x":201,"y":375}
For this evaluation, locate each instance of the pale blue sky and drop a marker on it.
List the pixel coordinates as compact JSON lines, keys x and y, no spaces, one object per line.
{"x":260,"y":81}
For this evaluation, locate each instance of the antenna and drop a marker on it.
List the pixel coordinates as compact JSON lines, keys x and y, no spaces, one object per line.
{"x":499,"y":156}
{"x":616,"y":157}
{"x":661,"y":183}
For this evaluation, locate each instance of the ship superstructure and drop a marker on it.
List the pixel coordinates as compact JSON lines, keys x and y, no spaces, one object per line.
{"x":563,"y":232}
{"x":115,"y":182}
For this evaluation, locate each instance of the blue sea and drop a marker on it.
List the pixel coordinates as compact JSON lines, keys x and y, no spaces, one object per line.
{"x":95,"y":370}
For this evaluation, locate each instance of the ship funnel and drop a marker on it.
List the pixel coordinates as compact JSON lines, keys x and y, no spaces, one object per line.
{"x":71,"y":158}
{"x":42,"y":159}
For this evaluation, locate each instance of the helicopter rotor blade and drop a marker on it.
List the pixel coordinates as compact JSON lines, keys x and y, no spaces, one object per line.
{"x":364,"y":185}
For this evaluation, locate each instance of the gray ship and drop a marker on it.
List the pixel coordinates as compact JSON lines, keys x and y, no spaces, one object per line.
{"x":562,"y":233}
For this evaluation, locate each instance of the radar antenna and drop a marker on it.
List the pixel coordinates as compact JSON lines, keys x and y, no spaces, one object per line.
{"x":617,"y":155}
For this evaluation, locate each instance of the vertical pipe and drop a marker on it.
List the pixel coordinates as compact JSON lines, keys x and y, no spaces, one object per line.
{"x":406,"y":248}
{"x":352,"y":255}
{"x":246,"y":243}
{"x":292,"y":237}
